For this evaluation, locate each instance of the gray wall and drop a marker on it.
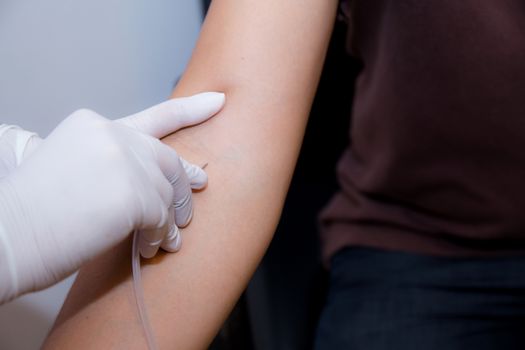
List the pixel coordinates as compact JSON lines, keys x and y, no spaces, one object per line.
{"x":113,"y":56}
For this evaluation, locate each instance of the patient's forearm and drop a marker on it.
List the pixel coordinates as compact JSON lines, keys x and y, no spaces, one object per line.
{"x":266,"y":56}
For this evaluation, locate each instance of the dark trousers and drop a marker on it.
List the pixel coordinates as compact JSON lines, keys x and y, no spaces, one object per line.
{"x":391,"y":300}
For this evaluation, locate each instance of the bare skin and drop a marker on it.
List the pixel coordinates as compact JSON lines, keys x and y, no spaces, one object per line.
{"x":267,"y":57}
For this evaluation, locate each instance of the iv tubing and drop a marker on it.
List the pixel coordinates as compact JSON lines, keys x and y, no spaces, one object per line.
{"x":139,"y":293}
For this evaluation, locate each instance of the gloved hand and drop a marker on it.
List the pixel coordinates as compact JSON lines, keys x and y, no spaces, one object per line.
{"x":89,"y":184}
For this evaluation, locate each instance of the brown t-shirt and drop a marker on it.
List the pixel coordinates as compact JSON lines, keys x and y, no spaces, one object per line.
{"x":436,"y":163}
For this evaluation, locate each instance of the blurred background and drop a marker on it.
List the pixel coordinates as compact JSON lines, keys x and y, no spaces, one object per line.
{"x":113,"y":56}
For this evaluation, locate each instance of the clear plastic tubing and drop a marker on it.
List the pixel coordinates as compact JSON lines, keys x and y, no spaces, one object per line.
{"x":139,"y":293}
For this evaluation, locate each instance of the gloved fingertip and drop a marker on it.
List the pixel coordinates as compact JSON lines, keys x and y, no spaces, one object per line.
{"x":183,"y":220}
{"x":177,"y":243}
{"x":173,"y":241}
{"x":148,"y":250}
{"x":213,"y":100}
{"x":199,"y":179}
{"x":201,"y":106}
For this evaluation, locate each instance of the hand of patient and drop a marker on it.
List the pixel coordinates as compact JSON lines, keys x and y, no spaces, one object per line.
{"x":83,"y":189}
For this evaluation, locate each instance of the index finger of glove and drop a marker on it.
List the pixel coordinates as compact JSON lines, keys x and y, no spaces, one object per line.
{"x":172,"y":115}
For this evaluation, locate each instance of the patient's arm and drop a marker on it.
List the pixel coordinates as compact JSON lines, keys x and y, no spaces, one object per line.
{"x":266,"y":55}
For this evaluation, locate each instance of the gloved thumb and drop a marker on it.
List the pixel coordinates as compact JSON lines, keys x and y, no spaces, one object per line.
{"x":172,"y":115}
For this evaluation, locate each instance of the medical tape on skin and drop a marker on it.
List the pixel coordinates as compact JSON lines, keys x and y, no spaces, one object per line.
{"x":10,"y":262}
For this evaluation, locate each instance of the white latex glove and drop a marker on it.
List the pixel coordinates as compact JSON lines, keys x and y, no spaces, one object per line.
{"x":89,"y":184}
{"x":15,"y":145}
